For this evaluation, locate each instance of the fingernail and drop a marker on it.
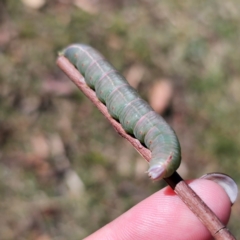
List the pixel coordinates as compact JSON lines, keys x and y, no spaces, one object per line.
{"x":226,"y":182}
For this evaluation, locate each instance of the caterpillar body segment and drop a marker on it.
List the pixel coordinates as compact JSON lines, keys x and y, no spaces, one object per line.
{"x":125,"y":105}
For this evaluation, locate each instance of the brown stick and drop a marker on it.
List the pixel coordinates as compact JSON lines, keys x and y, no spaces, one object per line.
{"x":187,"y":195}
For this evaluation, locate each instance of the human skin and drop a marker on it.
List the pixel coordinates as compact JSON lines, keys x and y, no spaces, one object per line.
{"x":164,"y":216}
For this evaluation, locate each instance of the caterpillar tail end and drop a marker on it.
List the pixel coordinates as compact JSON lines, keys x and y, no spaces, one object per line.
{"x":156,"y":172}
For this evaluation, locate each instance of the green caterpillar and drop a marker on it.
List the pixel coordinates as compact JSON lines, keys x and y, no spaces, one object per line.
{"x":125,"y":105}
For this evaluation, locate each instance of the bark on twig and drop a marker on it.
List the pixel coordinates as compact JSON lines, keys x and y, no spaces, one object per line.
{"x":185,"y":193}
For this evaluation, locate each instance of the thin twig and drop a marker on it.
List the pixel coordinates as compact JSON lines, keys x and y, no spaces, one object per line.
{"x":185,"y":193}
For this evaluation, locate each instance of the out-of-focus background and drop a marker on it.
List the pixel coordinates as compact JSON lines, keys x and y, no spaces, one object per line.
{"x":64,"y":171}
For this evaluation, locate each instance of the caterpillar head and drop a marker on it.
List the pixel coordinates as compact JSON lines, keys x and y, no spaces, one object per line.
{"x":156,"y":172}
{"x":159,"y":169}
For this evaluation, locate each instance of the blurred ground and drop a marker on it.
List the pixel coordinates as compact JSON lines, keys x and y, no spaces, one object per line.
{"x":61,"y":164}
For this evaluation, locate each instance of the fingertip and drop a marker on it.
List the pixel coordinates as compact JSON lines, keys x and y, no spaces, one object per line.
{"x":214,"y":196}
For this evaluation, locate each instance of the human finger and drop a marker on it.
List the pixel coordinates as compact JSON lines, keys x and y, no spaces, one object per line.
{"x":164,"y":216}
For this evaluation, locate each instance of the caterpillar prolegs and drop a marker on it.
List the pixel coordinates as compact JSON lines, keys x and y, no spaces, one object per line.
{"x":125,"y":105}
